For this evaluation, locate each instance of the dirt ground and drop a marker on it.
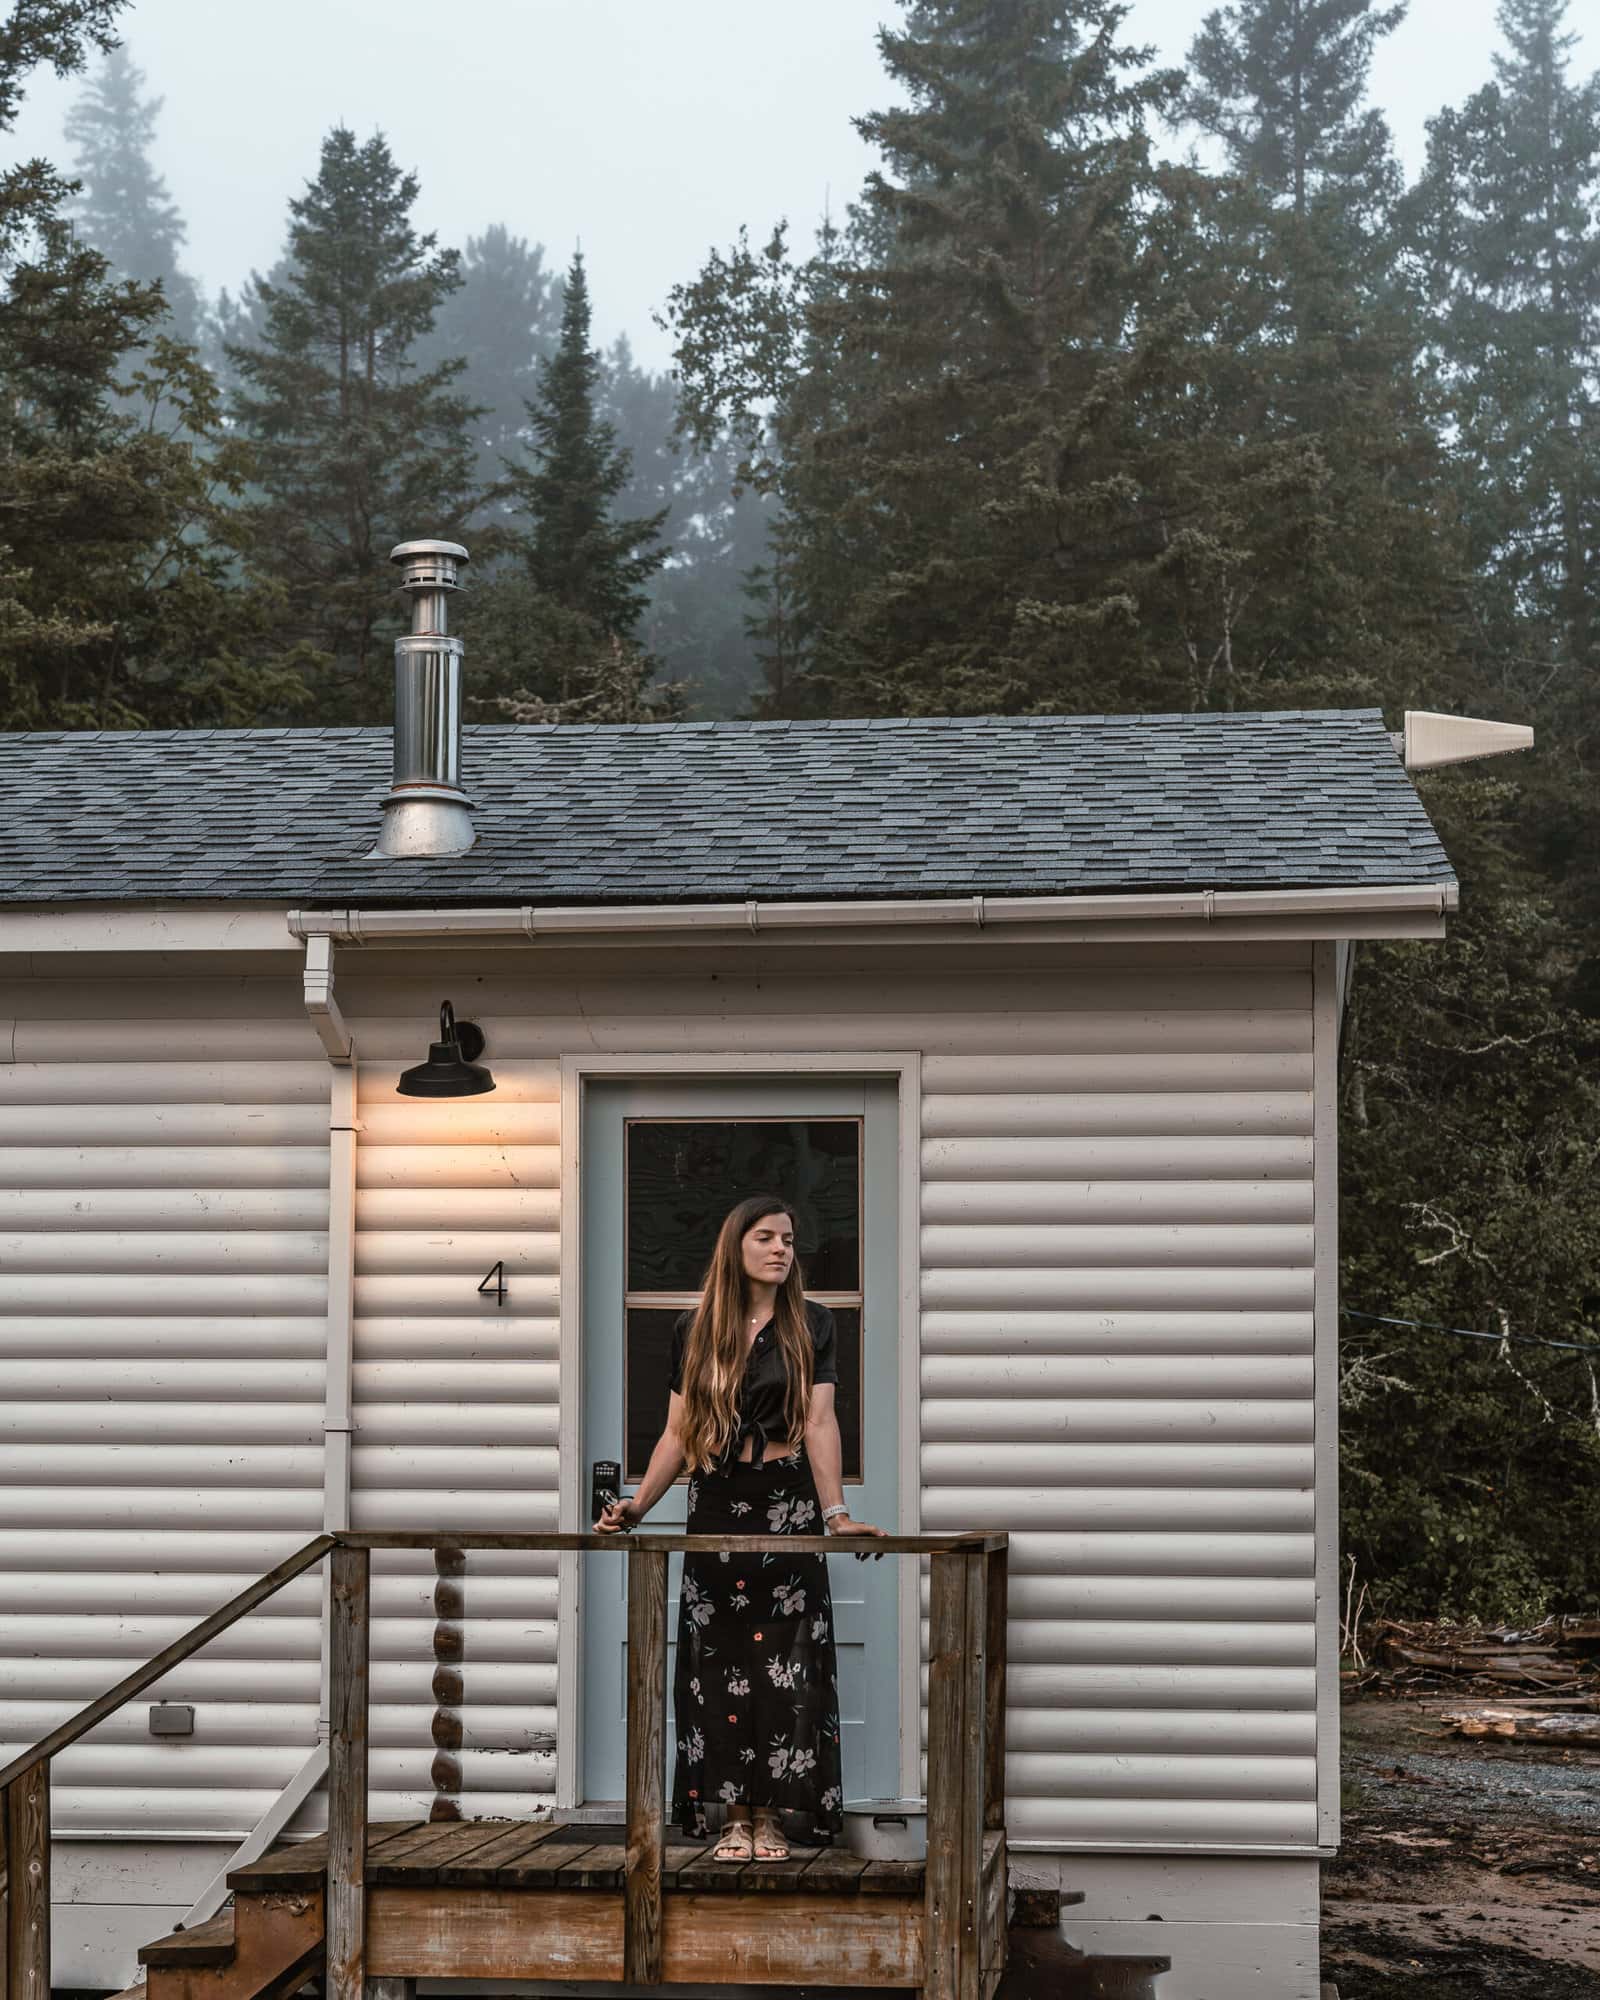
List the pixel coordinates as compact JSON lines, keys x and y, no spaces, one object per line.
{"x":1474,"y":1863}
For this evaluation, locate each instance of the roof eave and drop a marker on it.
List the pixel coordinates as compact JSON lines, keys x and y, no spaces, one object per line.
{"x":1379,"y":910}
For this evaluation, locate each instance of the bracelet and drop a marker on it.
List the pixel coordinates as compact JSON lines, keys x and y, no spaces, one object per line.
{"x":839,"y":1507}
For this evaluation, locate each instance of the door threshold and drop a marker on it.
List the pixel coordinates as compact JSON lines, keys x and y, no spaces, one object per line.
{"x":593,"y":1813}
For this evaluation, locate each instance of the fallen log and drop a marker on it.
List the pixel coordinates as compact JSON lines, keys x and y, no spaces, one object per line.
{"x":1578,"y":1727}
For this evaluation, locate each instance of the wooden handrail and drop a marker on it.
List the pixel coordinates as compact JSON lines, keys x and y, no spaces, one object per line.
{"x":894,"y":1545}
{"x":966,"y":1741}
{"x":142,"y":1677}
{"x":68,"y":1732}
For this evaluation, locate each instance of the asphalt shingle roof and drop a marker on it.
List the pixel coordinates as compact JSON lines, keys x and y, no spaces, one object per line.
{"x":699,"y":812}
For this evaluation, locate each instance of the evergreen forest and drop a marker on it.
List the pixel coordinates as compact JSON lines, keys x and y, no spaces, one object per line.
{"x":1115,"y":388}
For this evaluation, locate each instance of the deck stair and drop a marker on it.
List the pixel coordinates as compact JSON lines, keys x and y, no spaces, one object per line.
{"x":539,"y":1898}
{"x":542,"y":1898}
{"x":551,"y":1900}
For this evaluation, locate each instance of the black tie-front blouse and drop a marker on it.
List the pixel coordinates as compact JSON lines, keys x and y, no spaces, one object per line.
{"x":761,"y":1392}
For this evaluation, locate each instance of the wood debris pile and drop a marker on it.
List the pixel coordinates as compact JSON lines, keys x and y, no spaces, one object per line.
{"x":1562,"y":1655}
{"x":1546,"y":1678}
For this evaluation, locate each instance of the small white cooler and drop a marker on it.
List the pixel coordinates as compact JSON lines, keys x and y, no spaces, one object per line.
{"x":887,"y":1829}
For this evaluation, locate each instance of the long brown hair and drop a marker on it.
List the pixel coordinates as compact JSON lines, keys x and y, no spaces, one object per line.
{"x":715,"y":1350}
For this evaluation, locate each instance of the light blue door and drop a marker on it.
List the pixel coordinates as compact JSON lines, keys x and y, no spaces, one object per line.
{"x":661,"y":1164}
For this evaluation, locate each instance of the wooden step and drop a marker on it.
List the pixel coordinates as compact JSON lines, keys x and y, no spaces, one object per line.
{"x":264,"y":1948}
{"x":210,"y":1943}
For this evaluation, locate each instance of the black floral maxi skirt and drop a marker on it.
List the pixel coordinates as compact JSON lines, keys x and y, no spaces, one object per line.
{"x":755,"y":1689}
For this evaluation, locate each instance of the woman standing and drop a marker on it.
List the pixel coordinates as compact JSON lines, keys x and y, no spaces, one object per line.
{"x":751,"y":1415}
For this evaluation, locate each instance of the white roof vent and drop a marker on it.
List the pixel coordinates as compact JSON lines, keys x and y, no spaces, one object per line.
{"x":1456,"y":739}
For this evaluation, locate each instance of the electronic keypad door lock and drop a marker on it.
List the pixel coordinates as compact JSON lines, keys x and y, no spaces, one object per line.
{"x":605,"y":1486}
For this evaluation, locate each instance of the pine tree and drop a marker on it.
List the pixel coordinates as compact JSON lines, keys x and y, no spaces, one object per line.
{"x":356,"y":447}
{"x":693,"y":623}
{"x":1282,"y":83}
{"x":1508,"y":231}
{"x":124,"y":209}
{"x":553,"y":633}
{"x":124,"y":596}
{"x":576,"y":553}
{"x":1324,"y":350}
{"x":60,"y":33}
{"x":501,"y":320}
{"x":746,"y":358}
{"x":1003,"y":475}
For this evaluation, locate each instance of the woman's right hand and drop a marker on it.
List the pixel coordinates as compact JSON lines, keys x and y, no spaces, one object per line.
{"x":619,"y":1517}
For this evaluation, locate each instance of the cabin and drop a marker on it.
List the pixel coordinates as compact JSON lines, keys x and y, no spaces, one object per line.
{"x":1037,"y":1020}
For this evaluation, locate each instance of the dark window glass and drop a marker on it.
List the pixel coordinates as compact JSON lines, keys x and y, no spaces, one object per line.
{"x":847,"y":1392}
{"x":648,"y":1364}
{"x":684,"y":1176}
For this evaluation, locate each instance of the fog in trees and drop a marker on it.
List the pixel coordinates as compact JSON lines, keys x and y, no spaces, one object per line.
{"x":1117,"y":386}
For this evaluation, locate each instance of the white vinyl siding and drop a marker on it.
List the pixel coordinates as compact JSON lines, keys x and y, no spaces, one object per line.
{"x":1116,"y":1353}
{"x":456,"y":1408}
{"x":1117,"y":1367}
{"x":163,"y":1257}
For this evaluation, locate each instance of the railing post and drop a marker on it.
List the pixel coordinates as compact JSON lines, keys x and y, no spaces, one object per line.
{"x":946,"y":1688}
{"x":974,"y":1729}
{"x":345,"y":1911}
{"x":647,"y":1762}
{"x":994,"y":1735}
{"x":27,"y":1853}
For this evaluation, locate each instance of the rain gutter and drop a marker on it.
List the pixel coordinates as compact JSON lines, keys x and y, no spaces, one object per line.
{"x":1203,"y":906}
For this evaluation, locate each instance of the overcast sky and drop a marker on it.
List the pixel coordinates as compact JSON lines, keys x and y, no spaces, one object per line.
{"x":648,"y":131}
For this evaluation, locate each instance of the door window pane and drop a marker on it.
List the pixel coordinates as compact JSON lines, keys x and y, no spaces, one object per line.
{"x":682,"y":1176}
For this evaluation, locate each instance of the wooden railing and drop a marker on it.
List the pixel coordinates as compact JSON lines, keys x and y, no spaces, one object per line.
{"x":966,"y":1742}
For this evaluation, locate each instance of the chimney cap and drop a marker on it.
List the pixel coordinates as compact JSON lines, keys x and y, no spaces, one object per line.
{"x":404,"y":551}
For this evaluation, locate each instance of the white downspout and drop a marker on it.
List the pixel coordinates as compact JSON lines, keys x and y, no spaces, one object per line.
{"x":337,"y":1040}
{"x":343,"y":1126}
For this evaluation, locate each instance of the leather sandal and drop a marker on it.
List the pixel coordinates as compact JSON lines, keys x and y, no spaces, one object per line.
{"x":769,"y":1843}
{"x":736,"y":1843}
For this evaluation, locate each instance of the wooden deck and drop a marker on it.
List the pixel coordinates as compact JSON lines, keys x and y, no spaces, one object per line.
{"x":539,"y":1899}
{"x":487,"y":1899}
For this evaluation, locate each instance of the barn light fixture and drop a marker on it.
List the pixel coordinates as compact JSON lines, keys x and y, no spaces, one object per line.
{"x":452,"y":1068}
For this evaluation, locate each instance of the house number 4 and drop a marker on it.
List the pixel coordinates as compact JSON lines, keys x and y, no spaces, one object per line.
{"x":494,"y":1286}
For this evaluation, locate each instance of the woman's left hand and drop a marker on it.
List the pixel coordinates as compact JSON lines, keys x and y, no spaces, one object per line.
{"x":841,"y":1524}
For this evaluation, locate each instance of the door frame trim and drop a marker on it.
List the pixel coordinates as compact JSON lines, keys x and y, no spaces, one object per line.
{"x":904,"y":1068}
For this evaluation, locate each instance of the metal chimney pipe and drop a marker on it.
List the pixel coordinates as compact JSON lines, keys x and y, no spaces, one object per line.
{"x":425,"y":811}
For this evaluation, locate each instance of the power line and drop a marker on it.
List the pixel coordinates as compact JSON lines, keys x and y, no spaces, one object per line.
{"x":1472,"y":1333}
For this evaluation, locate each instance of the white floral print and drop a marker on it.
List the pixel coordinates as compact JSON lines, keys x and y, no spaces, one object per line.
{"x":756,"y":1668}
